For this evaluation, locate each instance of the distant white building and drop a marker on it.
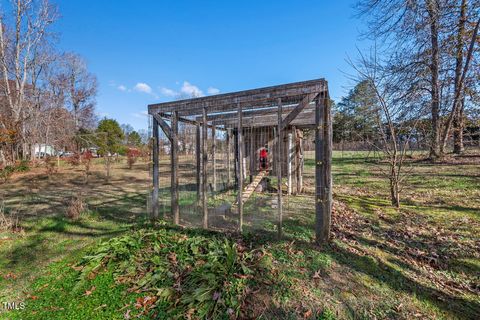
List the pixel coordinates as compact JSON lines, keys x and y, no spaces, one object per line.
{"x":42,"y":150}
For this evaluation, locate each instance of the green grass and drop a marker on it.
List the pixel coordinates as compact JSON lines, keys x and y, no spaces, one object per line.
{"x":58,"y":295}
{"x":419,"y":261}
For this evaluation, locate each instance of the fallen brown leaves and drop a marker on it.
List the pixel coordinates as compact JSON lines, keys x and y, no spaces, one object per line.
{"x":89,"y":292}
{"x":423,"y":250}
{"x":146,"y":303}
{"x":10,"y":276}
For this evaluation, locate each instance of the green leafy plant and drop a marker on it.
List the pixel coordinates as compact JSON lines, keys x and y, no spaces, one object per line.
{"x":6,"y":173}
{"x":23,"y":166}
{"x":182,"y":274}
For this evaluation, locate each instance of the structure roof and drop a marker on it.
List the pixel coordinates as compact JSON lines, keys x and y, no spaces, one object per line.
{"x":261,"y":100}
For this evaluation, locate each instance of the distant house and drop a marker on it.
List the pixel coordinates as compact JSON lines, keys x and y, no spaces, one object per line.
{"x":42,"y":150}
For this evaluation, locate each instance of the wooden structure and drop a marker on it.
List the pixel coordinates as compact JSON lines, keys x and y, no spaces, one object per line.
{"x":285,"y":109}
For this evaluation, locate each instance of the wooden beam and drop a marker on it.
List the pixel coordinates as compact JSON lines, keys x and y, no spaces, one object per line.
{"x":304,"y":119}
{"x":174,"y":169}
{"x":268,"y":110}
{"x":204,"y":169}
{"x":240,"y":166}
{"x":155,"y":168}
{"x":248,"y":114}
{"x":248,"y":98}
{"x":295,"y":112}
{"x":164,"y":125}
{"x":188,"y":121}
{"x":279,"y":168}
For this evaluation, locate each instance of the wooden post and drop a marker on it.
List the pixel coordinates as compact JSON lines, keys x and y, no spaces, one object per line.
{"x":214,"y":159}
{"x":174,"y":171}
{"x":289,"y":162}
{"x":279,"y":167}
{"x":155,"y":154}
{"x":295,"y":160}
{"x":236,"y":161}
{"x":299,"y":160}
{"x":229,"y":167}
{"x":302,"y":161}
{"x":240,"y":174}
{"x":328,"y":144}
{"x":244,"y":162}
{"x":198,"y":160}
{"x":204,"y":168}
{"x":252,"y":154}
{"x":274,"y":151}
{"x":322,"y":191}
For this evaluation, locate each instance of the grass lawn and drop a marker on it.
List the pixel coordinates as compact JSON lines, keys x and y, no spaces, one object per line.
{"x":421,"y":261}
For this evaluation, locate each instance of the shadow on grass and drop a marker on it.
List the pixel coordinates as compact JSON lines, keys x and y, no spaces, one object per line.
{"x":383,"y":273}
{"x":397,"y":281}
{"x":393,"y":274}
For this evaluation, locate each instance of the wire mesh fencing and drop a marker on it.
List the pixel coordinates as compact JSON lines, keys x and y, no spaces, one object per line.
{"x":266,"y":157}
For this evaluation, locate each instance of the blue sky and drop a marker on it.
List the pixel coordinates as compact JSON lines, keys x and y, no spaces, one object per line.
{"x":147,"y":51}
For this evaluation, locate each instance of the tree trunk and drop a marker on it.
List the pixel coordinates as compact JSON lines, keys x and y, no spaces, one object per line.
{"x":457,"y":120}
{"x":459,"y":89}
{"x":394,"y":188}
{"x":432,"y":8}
{"x":394,"y":195}
{"x":458,"y":126}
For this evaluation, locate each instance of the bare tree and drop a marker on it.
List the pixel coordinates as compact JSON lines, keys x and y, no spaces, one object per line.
{"x":81,"y":90}
{"x":19,"y":48}
{"x":461,"y":71}
{"x":396,"y":112}
{"x":422,"y":32}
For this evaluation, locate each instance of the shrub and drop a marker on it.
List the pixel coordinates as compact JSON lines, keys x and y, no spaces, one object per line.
{"x":327,"y":314}
{"x":6,"y":173}
{"x":86,"y":160}
{"x":50,"y":166}
{"x":74,"y":160}
{"x":76,"y":206}
{"x":8,"y":222}
{"x":145,"y":153}
{"x":132,"y":156}
{"x":23,"y":166}
{"x":122,"y":150}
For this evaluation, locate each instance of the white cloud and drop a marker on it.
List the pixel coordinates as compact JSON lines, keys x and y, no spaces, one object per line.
{"x":168,"y":92}
{"x":141,"y":114}
{"x":212,"y":90}
{"x":143,"y":87}
{"x":122,"y":88}
{"x":191,"y":90}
